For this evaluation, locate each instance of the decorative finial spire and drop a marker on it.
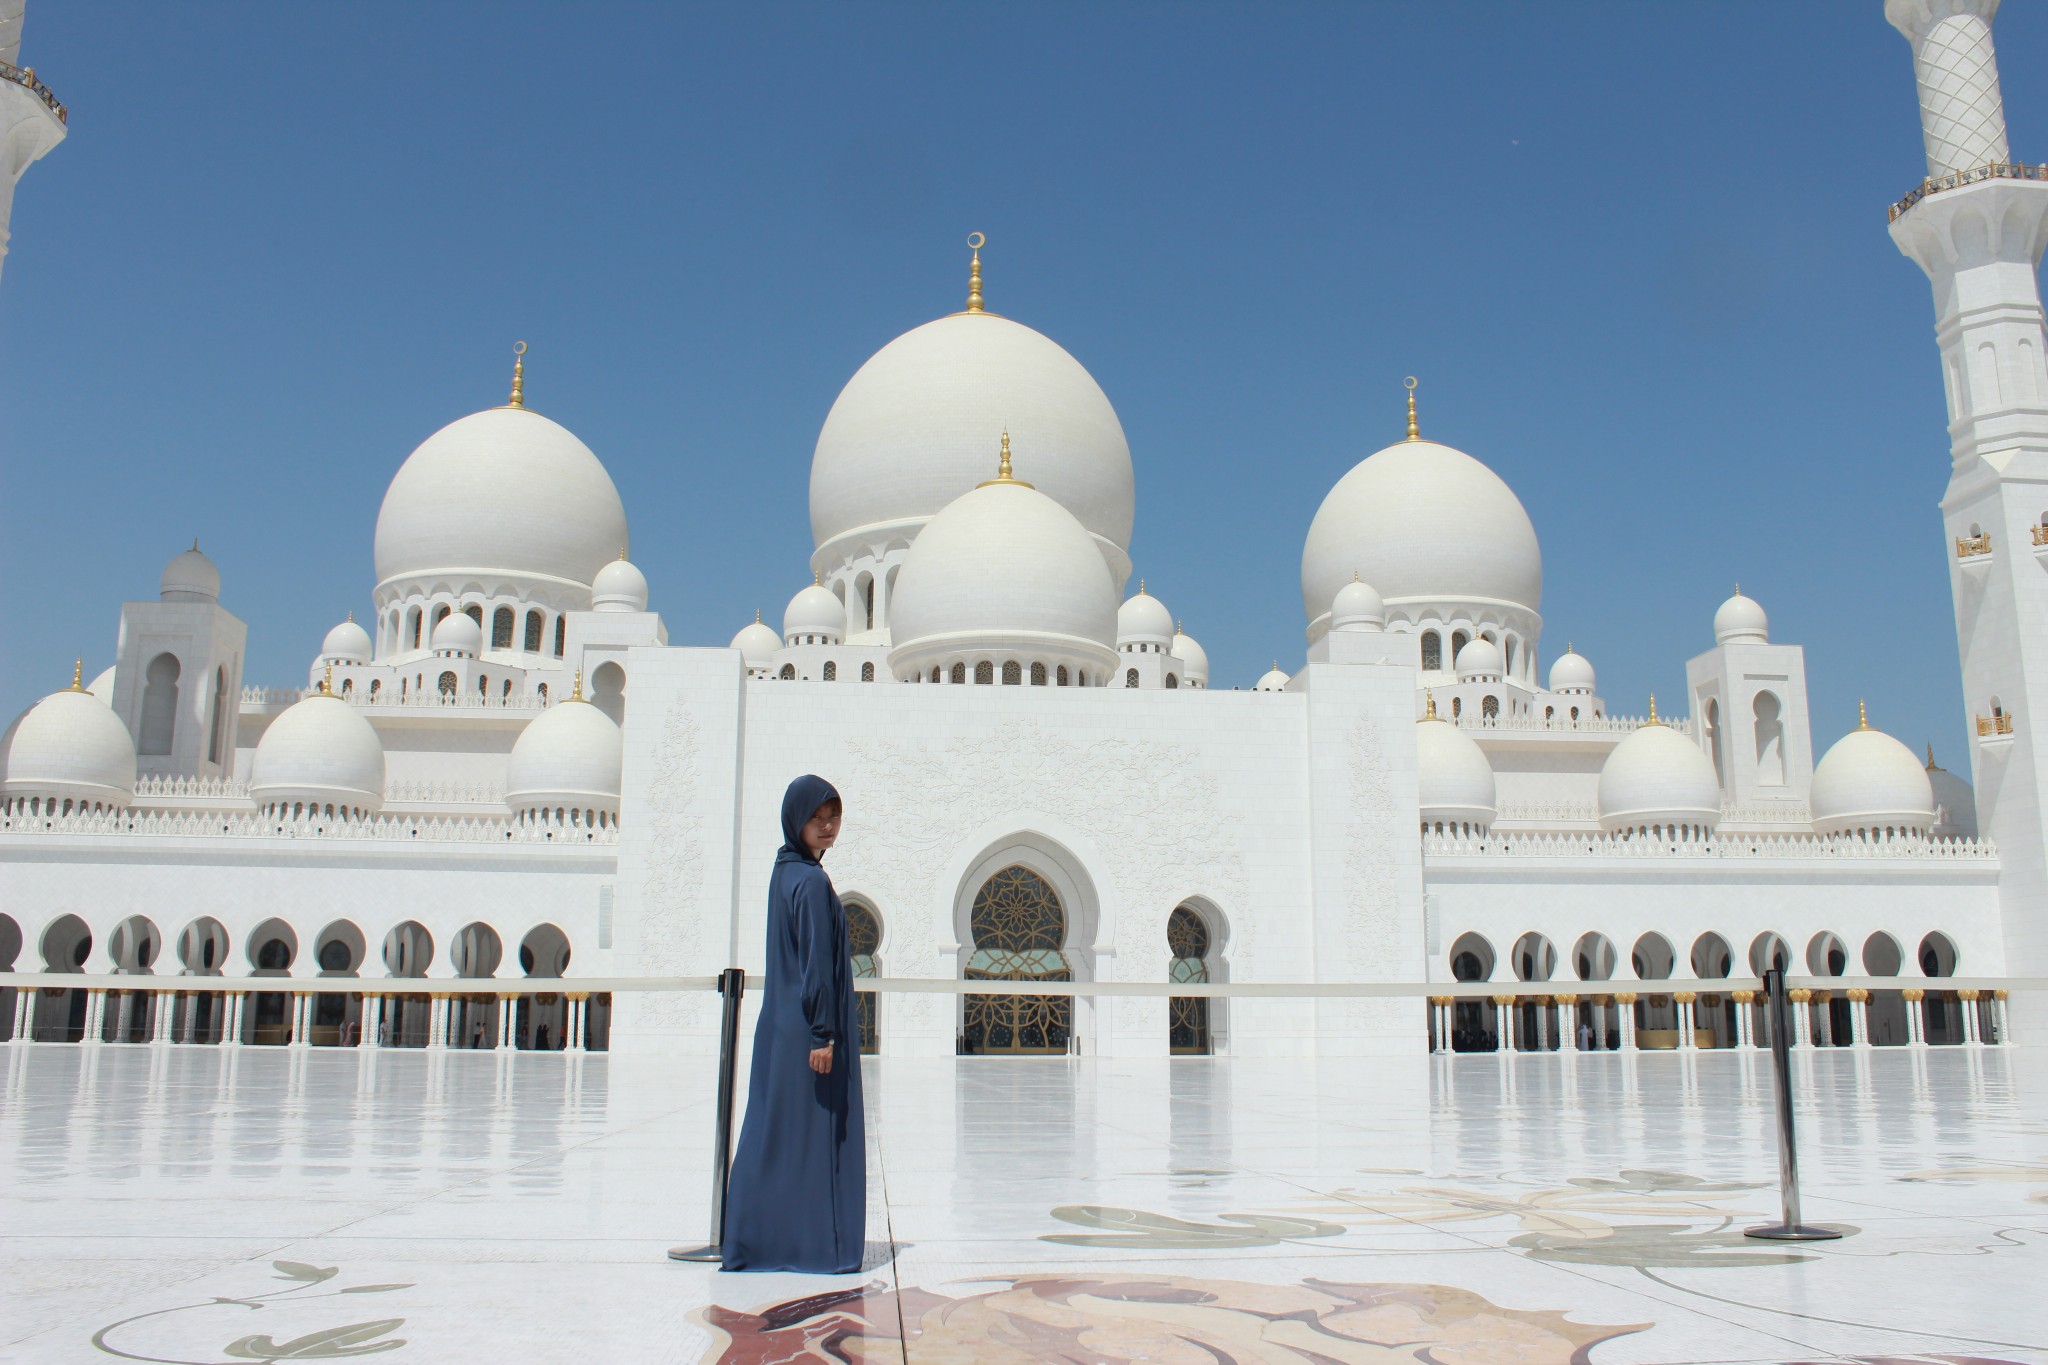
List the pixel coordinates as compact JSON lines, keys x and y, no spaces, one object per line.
{"x":1653,"y":711}
{"x":1429,"y":703}
{"x":1862,"y":715}
{"x":327,"y":683}
{"x":518,"y":399}
{"x":577,"y":693}
{"x":1414,"y":432}
{"x":1932,"y":766}
{"x":195,"y":545}
{"x":1738,"y":590}
{"x":1141,"y":587}
{"x":1003,"y":474}
{"x":975,"y":241}
{"x":351,"y":616}
{"x":817,"y":579}
{"x":622,"y":554}
{"x":78,"y":677}
{"x":1568,"y":647}
{"x":757,"y":616}
{"x":1179,"y":630}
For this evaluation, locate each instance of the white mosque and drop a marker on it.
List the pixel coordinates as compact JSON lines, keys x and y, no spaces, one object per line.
{"x":507,"y":776}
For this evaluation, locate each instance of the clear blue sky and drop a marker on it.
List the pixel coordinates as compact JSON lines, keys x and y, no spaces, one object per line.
{"x":1636,"y":253}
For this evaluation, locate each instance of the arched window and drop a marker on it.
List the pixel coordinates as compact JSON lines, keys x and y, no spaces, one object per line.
{"x":1172,"y":682}
{"x":1489,"y":708}
{"x":483,"y":684}
{"x":536,"y":622}
{"x":959,"y":673}
{"x":1457,"y":707}
{"x":935,"y":673}
{"x":447,"y":684}
{"x":418,"y":624}
{"x":543,"y":694}
{"x":1130,"y":677}
{"x":1062,"y":676}
{"x":1713,"y":737}
{"x":831,"y":671}
{"x":1019,"y":929}
{"x":561,"y":635}
{"x":1432,"y":650}
{"x":348,"y":685}
{"x":867,"y":672}
{"x":1038,"y":675}
{"x":788,"y":672}
{"x":160,"y":705}
{"x":376,"y":686}
{"x":863,"y":941}
{"x":475,"y":612}
{"x":503,"y":621}
{"x":1770,"y":740}
{"x":1459,"y":639}
{"x":1013,"y":673}
{"x":217,"y":718}
{"x":1187,"y":1017}
{"x":984,"y":672}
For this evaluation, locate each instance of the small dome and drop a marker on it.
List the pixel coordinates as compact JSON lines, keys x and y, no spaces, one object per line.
{"x":757,"y":644}
{"x":347,"y":643}
{"x":1658,"y":777}
{"x":1273,"y":681}
{"x":1480,"y":658}
{"x":1741,"y":620}
{"x":1191,"y":654}
{"x":619,"y":586}
{"x":1143,"y":618}
{"x":190,"y":577}
{"x":816,"y":610}
{"x":1869,"y":780}
{"x":1453,"y":778}
{"x":321,"y":752}
{"x":69,"y":746}
{"x":1573,"y":672}
{"x":1003,"y":569}
{"x":570,"y":756}
{"x":103,"y":686}
{"x":1955,"y":802}
{"x":1357,"y":606}
{"x":457,"y":634}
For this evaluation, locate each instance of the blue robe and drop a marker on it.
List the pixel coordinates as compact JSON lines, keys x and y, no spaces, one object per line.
{"x":797,"y":1199}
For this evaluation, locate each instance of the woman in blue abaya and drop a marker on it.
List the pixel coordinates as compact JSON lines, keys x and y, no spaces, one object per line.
{"x":797,"y":1199}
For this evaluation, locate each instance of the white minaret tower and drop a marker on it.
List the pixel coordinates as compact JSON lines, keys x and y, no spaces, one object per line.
{"x":31,"y":119}
{"x":1976,"y":225}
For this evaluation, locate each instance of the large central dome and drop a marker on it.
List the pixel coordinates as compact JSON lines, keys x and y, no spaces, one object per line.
{"x":912,"y":429}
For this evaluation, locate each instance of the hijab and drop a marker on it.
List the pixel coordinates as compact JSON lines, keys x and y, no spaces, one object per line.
{"x":799,"y":804}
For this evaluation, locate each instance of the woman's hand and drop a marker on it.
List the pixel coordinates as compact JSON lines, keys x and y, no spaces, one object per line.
{"x":821,"y":1059}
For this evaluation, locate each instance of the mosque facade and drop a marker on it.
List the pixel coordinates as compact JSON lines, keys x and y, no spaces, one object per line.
{"x":506,"y":775}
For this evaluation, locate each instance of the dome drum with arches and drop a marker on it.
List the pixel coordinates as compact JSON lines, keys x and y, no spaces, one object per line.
{"x":320,"y":757}
{"x":1660,"y":781}
{"x":565,"y":768}
{"x":68,"y":752}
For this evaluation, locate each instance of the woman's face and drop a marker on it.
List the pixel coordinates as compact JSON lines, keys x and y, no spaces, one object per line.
{"x":822,"y":829}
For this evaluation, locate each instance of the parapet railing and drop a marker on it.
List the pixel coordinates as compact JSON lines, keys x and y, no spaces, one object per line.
{"x":422,"y":700}
{"x":445,"y":829}
{"x":1997,"y":170}
{"x":1564,"y":725}
{"x":25,"y":76}
{"x":1722,"y":847}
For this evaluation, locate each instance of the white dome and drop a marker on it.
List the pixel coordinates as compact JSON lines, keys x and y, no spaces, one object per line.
{"x":1741,"y":619}
{"x":1003,"y":570}
{"x":504,"y":493}
{"x":1658,"y":777}
{"x":321,"y":751}
{"x":1869,"y":780}
{"x":1357,"y":606}
{"x":619,"y":586}
{"x":1427,"y":526}
{"x":1480,"y":658}
{"x":190,"y":577}
{"x":1955,"y":802}
{"x":1192,"y":655}
{"x":103,"y":686}
{"x":70,"y":746}
{"x":1573,"y":672}
{"x":347,"y":643}
{"x":570,"y":756}
{"x":757,"y":643}
{"x":457,"y":634}
{"x":1273,"y":680}
{"x":1453,"y":778}
{"x":816,"y":610}
{"x":1144,"y":618}
{"x":910,"y":431}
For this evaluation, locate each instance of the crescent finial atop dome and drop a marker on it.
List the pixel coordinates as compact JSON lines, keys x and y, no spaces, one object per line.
{"x":1414,"y":432}
{"x":518,"y":398}
{"x":975,"y":242}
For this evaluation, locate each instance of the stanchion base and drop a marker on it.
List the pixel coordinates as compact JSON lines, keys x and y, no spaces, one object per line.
{"x":1782,"y":1232}
{"x":713,"y":1254}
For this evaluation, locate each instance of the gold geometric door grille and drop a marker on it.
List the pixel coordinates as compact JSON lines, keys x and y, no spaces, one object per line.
{"x":1187,"y":1020}
{"x":1018,"y":927}
{"x":864,"y":936}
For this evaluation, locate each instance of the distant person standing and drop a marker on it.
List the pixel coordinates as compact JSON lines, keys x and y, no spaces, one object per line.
{"x":797,"y":1199}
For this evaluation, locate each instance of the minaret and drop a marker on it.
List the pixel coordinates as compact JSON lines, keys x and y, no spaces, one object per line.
{"x":1976,"y":226}
{"x":31,"y":119}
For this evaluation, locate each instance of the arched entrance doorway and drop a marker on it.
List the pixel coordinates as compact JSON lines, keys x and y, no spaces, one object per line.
{"x":1019,"y":929}
{"x":864,"y":941}
{"x":1187,"y":1016}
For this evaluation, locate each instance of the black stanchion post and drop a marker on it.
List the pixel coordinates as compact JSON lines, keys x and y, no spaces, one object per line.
{"x":1779,"y":1018}
{"x":732,"y":983}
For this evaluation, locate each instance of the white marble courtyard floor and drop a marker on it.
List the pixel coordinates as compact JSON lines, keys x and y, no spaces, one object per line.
{"x":199,"y":1205}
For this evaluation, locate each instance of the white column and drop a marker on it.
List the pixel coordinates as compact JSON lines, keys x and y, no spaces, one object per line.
{"x":437,"y":1022}
{"x":1626,"y":1012}
{"x":574,"y":1017}
{"x":24,"y":1014}
{"x":1962,"y":113}
{"x":1824,"y":1012}
{"x":124,"y":1015}
{"x":1859,"y":1012}
{"x":505,"y":1039}
{"x":165,"y":1003}
{"x":1998,"y":1020}
{"x":1503,"y":1024}
{"x":231,"y":1018}
{"x":95,"y":1015}
{"x":1742,"y":1024}
{"x":1916,"y":1019}
{"x":1973,"y":1032}
{"x":1683,"y":1000}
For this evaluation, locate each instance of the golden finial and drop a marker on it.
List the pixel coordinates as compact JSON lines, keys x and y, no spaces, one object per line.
{"x":1003,"y":474}
{"x":518,"y":399}
{"x":622,"y":554}
{"x":975,"y":241}
{"x":577,"y":694}
{"x":1931,"y":765}
{"x":195,"y":545}
{"x":78,"y":677}
{"x":327,"y":683}
{"x":1653,"y":711}
{"x":351,"y":616}
{"x":1141,"y":587}
{"x":1178,"y":630}
{"x":817,"y":579}
{"x":757,"y":616}
{"x":1429,"y":702}
{"x":1862,"y":715}
{"x":1738,"y":590}
{"x":1414,"y":432}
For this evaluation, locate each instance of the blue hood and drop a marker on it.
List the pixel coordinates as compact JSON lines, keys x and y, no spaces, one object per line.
{"x":799,"y":804}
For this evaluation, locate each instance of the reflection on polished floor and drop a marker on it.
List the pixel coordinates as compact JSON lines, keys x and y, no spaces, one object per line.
{"x":174,"y":1204}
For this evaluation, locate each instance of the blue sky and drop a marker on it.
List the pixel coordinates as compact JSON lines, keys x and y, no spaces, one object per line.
{"x":1636,"y":254}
